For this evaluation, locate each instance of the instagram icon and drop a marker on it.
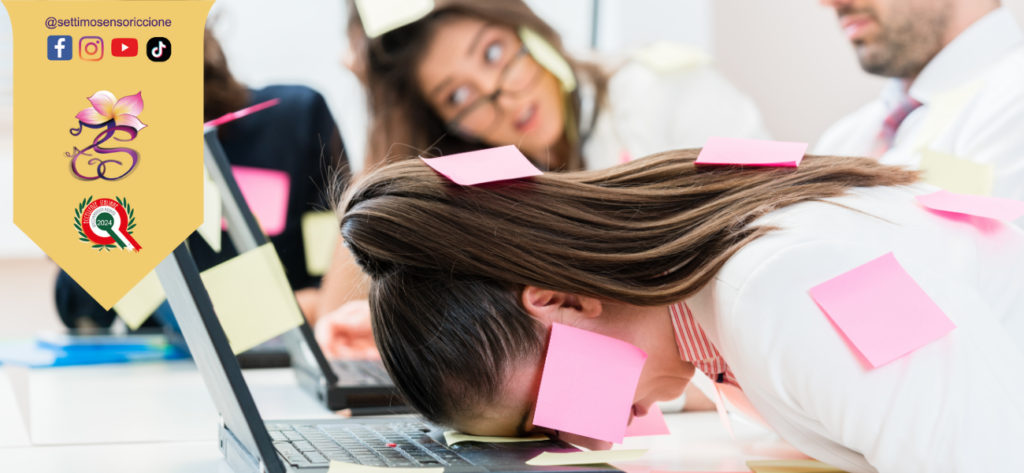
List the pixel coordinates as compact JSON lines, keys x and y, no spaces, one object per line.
{"x":90,"y":48}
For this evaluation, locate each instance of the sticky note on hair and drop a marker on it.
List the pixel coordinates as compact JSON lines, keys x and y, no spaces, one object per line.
{"x":452,"y":438}
{"x":997,"y":208}
{"x":882,"y":311}
{"x":486,"y":165}
{"x":792,"y":466}
{"x":266,"y":193}
{"x":651,"y":424}
{"x":542,"y":51}
{"x":252,"y":298}
{"x":381,"y":16}
{"x":743,"y":152}
{"x":588,"y":384}
{"x":343,"y":467}
{"x":585,"y":458}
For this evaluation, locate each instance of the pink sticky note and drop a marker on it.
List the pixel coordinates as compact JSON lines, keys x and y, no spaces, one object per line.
{"x":720,"y":150}
{"x":651,"y":424}
{"x":979,"y":205}
{"x":266,"y":193}
{"x":488,"y":165}
{"x":881,"y":310}
{"x":588,"y":384}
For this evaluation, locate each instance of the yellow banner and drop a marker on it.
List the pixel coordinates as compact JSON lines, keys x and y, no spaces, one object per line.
{"x":108,"y":150}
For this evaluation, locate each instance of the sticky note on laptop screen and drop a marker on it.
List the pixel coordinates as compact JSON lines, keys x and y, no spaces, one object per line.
{"x":252,"y":298}
{"x":488,"y":165}
{"x":882,"y":311}
{"x":997,"y":208}
{"x":737,"y":151}
{"x":588,"y":384}
{"x":266,"y":193}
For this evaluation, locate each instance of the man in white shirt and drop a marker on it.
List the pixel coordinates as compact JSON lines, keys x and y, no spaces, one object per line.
{"x":957,"y":88}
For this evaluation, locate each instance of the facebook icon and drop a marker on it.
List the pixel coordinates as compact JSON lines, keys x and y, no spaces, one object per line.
{"x":58,"y":48}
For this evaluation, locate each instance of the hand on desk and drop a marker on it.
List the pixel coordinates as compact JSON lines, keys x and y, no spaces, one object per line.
{"x":346,"y":333}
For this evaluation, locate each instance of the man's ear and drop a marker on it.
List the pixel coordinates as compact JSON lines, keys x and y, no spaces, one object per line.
{"x":550,"y":306}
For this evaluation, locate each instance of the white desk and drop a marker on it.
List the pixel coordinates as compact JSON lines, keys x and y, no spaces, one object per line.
{"x":157,"y":417}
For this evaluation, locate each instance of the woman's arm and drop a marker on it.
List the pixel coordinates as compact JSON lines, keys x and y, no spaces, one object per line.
{"x":955,"y":404}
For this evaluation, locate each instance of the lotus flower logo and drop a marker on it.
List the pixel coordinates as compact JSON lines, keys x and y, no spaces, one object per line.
{"x":110,"y":115}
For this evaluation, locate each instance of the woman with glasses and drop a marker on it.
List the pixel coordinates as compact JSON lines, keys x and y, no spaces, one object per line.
{"x":478,"y":73}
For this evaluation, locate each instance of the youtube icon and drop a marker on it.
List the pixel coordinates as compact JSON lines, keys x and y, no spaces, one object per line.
{"x":124,"y":47}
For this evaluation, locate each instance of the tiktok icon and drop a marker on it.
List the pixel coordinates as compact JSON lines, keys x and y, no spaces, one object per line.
{"x":158,"y":49}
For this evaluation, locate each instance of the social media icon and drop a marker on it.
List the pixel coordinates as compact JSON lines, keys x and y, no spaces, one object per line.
{"x":90,"y":48}
{"x":158,"y":49}
{"x":124,"y":47}
{"x":58,"y":48}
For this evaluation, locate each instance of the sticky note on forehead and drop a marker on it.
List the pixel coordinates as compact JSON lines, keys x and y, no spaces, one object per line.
{"x":487,"y":165}
{"x":882,"y":311}
{"x":381,"y":16}
{"x":997,"y":208}
{"x":588,"y":384}
{"x":737,"y":151}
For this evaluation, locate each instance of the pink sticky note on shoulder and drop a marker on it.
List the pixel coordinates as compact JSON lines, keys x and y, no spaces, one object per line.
{"x":588,"y":384}
{"x":743,"y":152}
{"x":651,"y":424}
{"x":882,"y":311}
{"x":487,"y":165}
{"x":266,"y":193}
{"x":997,"y":208}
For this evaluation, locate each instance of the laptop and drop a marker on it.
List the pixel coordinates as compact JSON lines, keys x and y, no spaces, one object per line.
{"x":362,"y":386}
{"x":250,"y":444}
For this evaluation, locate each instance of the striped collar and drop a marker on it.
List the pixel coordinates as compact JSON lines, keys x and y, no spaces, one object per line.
{"x":694,"y":346}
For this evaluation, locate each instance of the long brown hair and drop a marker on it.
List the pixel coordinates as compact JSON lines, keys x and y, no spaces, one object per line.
{"x":222,"y":94}
{"x":402,"y":123}
{"x":447,"y":262}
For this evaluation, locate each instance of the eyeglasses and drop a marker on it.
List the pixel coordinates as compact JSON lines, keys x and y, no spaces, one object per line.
{"x":484,"y":114}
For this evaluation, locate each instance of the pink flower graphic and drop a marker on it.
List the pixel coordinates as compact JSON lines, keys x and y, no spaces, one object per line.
{"x":105,"y":107}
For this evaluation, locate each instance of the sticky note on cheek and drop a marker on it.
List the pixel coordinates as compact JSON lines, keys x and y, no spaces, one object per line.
{"x":882,"y":311}
{"x":588,"y":384}
{"x":481,"y":167}
{"x":736,"y":151}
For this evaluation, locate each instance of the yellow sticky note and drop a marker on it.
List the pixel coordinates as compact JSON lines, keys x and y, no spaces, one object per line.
{"x":955,"y":174}
{"x":252,"y":298}
{"x":342,"y":467}
{"x":452,"y":438}
{"x":136,"y":306}
{"x":791,"y":466}
{"x":319,"y":236}
{"x":669,"y":56}
{"x":212,"y":206}
{"x":942,"y":109}
{"x":381,"y":16}
{"x":586,"y":458}
{"x":548,"y":57}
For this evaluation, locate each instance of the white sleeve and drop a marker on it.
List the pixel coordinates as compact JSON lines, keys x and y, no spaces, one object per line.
{"x":956,"y":404}
{"x":707,"y":104}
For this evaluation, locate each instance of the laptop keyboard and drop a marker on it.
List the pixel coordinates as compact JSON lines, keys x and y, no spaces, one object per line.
{"x":404,"y":445}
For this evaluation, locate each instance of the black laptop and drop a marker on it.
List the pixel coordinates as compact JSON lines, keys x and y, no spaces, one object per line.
{"x":363,"y":386}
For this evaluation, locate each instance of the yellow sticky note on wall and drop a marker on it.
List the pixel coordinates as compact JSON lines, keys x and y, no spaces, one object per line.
{"x":452,"y":438}
{"x":252,"y":298}
{"x":319,"y":236}
{"x":585,"y":458}
{"x":548,"y":57}
{"x":136,"y":306}
{"x":791,"y":466}
{"x":955,"y":174}
{"x":342,"y":467}
{"x":669,"y":56}
{"x":381,"y":16}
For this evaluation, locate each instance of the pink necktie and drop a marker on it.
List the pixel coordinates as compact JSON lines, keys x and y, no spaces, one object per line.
{"x":892,"y":123}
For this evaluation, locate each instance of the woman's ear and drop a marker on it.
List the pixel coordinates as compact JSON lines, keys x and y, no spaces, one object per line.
{"x":549,"y":306}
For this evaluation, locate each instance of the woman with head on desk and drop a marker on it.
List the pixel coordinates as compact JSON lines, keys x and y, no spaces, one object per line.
{"x":466,"y":283}
{"x":475,"y":74}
